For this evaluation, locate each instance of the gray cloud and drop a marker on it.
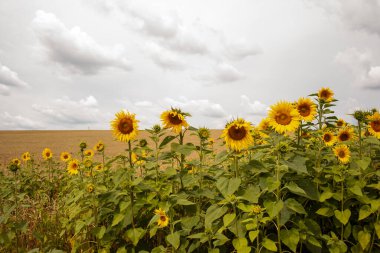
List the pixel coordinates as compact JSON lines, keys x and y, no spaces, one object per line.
{"x":17,"y":122}
{"x":240,"y":49}
{"x":356,"y":14}
{"x":67,"y":112}
{"x":164,"y":58}
{"x":74,"y":50}
{"x":255,"y":108}
{"x":360,"y":65}
{"x":9,"y":78}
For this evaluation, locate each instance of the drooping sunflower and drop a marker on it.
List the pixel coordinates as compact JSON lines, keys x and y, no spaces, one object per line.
{"x":26,"y":156}
{"x":264,"y":124}
{"x":346,"y":134}
{"x":89,"y":153}
{"x":99,"y":146}
{"x":307,"y":109}
{"x":73,"y":167}
{"x":374,"y":124}
{"x":237,"y":134}
{"x":326,"y":95}
{"x":328,"y":138}
{"x":342,"y":152}
{"x":283,"y":117}
{"x":47,"y":154}
{"x":340,"y":123}
{"x":163,"y":219}
{"x":65,"y":156}
{"x":124,"y":126}
{"x":174,"y":119}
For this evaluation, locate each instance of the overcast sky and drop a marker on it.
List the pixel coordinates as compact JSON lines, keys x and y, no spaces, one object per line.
{"x":73,"y":64}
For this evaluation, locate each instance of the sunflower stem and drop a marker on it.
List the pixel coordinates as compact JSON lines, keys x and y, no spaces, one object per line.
{"x":236,"y":165}
{"x":131,"y":194}
{"x":320,"y":114}
{"x":182,"y":160}
{"x":16,"y":207}
{"x":278,"y":198}
{"x":360,"y":138}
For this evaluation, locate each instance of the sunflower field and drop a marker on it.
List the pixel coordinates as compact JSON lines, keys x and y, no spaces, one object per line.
{"x":300,"y":181}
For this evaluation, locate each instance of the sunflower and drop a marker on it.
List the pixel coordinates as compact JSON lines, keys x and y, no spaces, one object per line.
{"x":256,"y":209}
{"x":73,"y":167}
{"x":306,"y":108}
{"x":374,"y":124}
{"x":65,"y":156}
{"x":283,"y":117}
{"x":125,"y":126}
{"x":258,"y":136}
{"x":237,"y":134}
{"x":47,"y":154}
{"x":342,"y":152}
{"x":264,"y":124}
{"x":90,"y":188}
{"x":346,"y":134}
{"x":138,"y":160}
{"x":16,"y":161}
{"x":87,"y":163}
{"x":99,"y":146}
{"x":328,"y":138}
{"x":203,"y":133}
{"x":163,"y":219}
{"x":340,"y":123}
{"x":325,"y":95}
{"x":26,"y":156}
{"x":174,"y":119}
{"x":89,"y":153}
{"x":210,"y":141}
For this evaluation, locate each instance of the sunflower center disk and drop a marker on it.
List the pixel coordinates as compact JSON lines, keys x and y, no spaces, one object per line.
{"x":304,"y":110}
{"x":376,"y":125}
{"x":125,"y":126}
{"x":283,"y":119}
{"x":327,"y":137}
{"x":174,"y":119}
{"x":163,"y":218}
{"x":325,"y":94}
{"x":344,"y":137}
{"x":237,"y":133}
{"x":341,"y":154}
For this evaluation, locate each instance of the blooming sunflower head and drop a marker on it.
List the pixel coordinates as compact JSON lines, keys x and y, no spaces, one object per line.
{"x":342,"y":152}
{"x":346,"y":134}
{"x":237,"y":134}
{"x":89,"y":153}
{"x":73,"y":167}
{"x":99,"y":146}
{"x":374,"y":124}
{"x":325,"y":94}
{"x":174,"y":119}
{"x":47,"y":154}
{"x":65,"y":156}
{"x":306,"y":109}
{"x":163,"y":219}
{"x":87,"y":162}
{"x":99,"y":167}
{"x":283,"y":117}
{"x":340,"y":123}
{"x":16,"y":161}
{"x":256,"y":209}
{"x":328,"y":138}
{"x":124,"y":126}
{"x":26,"y":156}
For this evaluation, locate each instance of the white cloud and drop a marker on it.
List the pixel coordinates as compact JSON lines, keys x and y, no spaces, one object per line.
{"x":17,"y":122}
{"x":144,"y":103}
{"x":198,"y":107}
{"x":222,"y":73}
{"x":240,"y":49}
{"x":255,"y":108}
{"x":360,"y":65}
{"x":65,"y":112}
{"x":4,"y":90}
{"x":74,"y":50}
{"x":164,"y":58}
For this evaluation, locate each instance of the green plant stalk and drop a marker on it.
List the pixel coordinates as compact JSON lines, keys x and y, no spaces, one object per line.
{"x":182,"y":159}
{"x":299,"y":130}
{"x":342,"y":209}
{"x":320,"y":114}
{"x":278,"y":198}
{"x":16,"y":208}
{"x":131,"y":194}
{"x":360,"y":138}
{"x":374,"y":233}
{"x":156,"y":156}
{"x":236,"y":164}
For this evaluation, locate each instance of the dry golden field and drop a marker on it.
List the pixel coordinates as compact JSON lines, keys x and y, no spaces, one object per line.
{"x":14,"y":143}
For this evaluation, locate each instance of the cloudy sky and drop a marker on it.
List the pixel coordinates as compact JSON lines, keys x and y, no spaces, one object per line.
{"x":72,"y":64}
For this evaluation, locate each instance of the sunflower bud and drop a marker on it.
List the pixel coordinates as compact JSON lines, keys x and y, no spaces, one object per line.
{"x":203,"y":133}
{"x":283,"y":147}
{"x":14,"y":167}
{"x":82,"y":145}
{"x":156,"y":129}
{"x":143,"y":143}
